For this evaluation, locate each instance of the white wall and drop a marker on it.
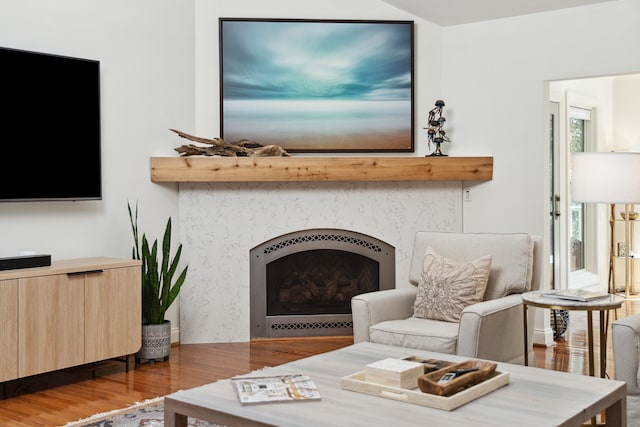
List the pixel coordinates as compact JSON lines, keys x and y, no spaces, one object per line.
{"x":145,"y":49}
{"x":626,"y":131}
{"x":494,"y":79}
{"x":159,"y":71}
{"x":493,"y":75}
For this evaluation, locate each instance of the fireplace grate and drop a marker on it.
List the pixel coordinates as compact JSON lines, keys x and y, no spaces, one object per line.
{"x":310,"y":325}
{"x":320,"y":238}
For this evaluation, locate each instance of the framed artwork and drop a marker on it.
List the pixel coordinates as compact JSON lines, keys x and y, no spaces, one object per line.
{"x":317,"y":85}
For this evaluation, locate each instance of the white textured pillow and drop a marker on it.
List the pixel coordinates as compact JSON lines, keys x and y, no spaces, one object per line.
{"x":446,"y":287}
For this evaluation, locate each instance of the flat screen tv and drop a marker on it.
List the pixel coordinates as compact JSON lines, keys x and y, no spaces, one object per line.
{"x":49,"y":127}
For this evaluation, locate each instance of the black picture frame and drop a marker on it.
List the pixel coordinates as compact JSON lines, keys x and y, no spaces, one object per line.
{"x":318,"y":85}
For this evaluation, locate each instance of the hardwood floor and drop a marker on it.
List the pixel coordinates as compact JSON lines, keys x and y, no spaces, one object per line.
{"x":57,"y":398}
{"x":569,"y":354}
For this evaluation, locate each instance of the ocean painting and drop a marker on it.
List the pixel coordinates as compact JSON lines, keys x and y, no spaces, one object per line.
{"x":318,"y":86}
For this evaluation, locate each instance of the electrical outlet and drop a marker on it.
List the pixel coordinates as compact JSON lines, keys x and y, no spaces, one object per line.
{"x":466,"y":194}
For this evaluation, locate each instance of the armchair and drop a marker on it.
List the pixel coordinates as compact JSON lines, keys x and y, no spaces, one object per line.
{"x":491,"y":329}
{"x":625,"y":337}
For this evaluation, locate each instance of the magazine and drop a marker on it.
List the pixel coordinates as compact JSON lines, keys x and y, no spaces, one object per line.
{"x":575,"y":295}
{"x":279,"y":388}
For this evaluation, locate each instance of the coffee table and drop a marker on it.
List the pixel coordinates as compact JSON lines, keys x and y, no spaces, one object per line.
{"x":533,"y":397}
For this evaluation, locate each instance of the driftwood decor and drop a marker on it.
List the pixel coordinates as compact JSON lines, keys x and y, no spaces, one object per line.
{"x":218,"y":147}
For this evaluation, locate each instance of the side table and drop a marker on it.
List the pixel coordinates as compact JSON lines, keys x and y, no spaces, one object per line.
{"x":536,"y":299}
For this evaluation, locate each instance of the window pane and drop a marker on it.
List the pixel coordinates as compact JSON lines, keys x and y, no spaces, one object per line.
{"x":576,"y":144}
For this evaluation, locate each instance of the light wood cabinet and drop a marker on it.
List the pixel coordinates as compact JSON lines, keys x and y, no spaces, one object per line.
{"x":8,"y":329}
{"x":112,"y":313}
{"x":71,"y":313}
{"x":50,"y":323}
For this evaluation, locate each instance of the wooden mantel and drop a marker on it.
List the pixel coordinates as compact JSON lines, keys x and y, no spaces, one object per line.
{"x":281,"y":169}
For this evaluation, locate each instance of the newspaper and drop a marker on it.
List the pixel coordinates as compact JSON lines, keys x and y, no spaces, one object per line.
{"x":279,"y":388}
{"x":575,"y":295}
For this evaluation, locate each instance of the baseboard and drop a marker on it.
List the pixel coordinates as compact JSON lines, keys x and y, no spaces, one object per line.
{"x":543,"y":336}
{"x":175,"y":335}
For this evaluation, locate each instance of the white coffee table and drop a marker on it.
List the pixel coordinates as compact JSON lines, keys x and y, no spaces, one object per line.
{"x":533,"y":397}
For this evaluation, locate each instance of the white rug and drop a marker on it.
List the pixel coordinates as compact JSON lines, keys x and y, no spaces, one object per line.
{"x":149,"y":413}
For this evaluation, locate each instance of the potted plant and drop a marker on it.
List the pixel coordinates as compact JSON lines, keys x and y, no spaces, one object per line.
{"x":159,"y":289}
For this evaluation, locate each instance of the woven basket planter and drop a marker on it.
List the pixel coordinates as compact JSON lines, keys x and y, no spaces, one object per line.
{"x":559,"y":322}
{"x":156,"y":342}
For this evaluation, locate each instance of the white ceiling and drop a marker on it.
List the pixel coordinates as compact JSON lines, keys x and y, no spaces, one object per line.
{"x":455,"y":12}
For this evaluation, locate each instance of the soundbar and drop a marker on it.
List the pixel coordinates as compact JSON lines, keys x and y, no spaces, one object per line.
{"x":26,"y":261}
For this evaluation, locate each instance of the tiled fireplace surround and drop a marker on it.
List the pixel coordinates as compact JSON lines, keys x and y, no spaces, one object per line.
{"x":221,"y":222}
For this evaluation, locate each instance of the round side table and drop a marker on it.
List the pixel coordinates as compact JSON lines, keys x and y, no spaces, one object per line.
{"x":611,"y":302}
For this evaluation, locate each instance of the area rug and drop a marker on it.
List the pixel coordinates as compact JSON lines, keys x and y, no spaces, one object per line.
{"x":149,"y":413}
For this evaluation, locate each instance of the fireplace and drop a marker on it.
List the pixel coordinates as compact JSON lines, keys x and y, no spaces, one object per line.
{"x":301,"y":283}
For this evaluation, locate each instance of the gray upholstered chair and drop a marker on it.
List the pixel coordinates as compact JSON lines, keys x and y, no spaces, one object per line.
{"x":491,"y":329}
{"x":625,"y":338}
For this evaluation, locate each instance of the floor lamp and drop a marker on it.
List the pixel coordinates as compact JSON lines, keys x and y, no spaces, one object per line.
{"x":612,"y":178}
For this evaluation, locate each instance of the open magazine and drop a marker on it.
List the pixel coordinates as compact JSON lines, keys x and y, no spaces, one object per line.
{"x":575,"y":295}
{"x":278,"y":388}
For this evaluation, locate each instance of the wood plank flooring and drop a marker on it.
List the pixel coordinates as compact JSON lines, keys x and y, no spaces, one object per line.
{"x":57,"y":398}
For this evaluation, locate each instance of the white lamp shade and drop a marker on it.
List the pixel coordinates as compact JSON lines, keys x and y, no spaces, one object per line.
{"x":605,"y":178}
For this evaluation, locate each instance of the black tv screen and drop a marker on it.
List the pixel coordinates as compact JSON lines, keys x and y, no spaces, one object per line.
{"x":49,"y":127}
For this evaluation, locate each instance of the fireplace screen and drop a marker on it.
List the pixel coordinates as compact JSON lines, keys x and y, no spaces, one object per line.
{"x":318,"y":282}
{"x":302,"y":283}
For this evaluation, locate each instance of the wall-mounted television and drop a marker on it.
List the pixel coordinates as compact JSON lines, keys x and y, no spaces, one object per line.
{"x":49,"y":127}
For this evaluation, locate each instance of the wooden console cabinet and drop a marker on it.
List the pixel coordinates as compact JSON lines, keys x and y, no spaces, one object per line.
{"x":70,"y":313}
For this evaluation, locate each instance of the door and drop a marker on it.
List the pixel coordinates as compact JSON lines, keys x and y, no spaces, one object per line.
{"x":569,"y":132}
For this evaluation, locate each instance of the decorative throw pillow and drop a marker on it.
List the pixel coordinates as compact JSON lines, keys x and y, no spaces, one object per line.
{"x":446,"y":287}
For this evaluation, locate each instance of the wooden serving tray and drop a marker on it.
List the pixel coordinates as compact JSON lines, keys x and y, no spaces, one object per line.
{"x":428,"y":383}
{"x":357,"y":382}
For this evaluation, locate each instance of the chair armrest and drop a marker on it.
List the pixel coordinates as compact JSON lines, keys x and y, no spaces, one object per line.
{"x":625,"y":336}
{"x":494,"y":330}
{"x":375,"y":307}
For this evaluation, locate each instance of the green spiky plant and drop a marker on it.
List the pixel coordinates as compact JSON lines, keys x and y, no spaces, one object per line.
{"x":159,"y":290}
